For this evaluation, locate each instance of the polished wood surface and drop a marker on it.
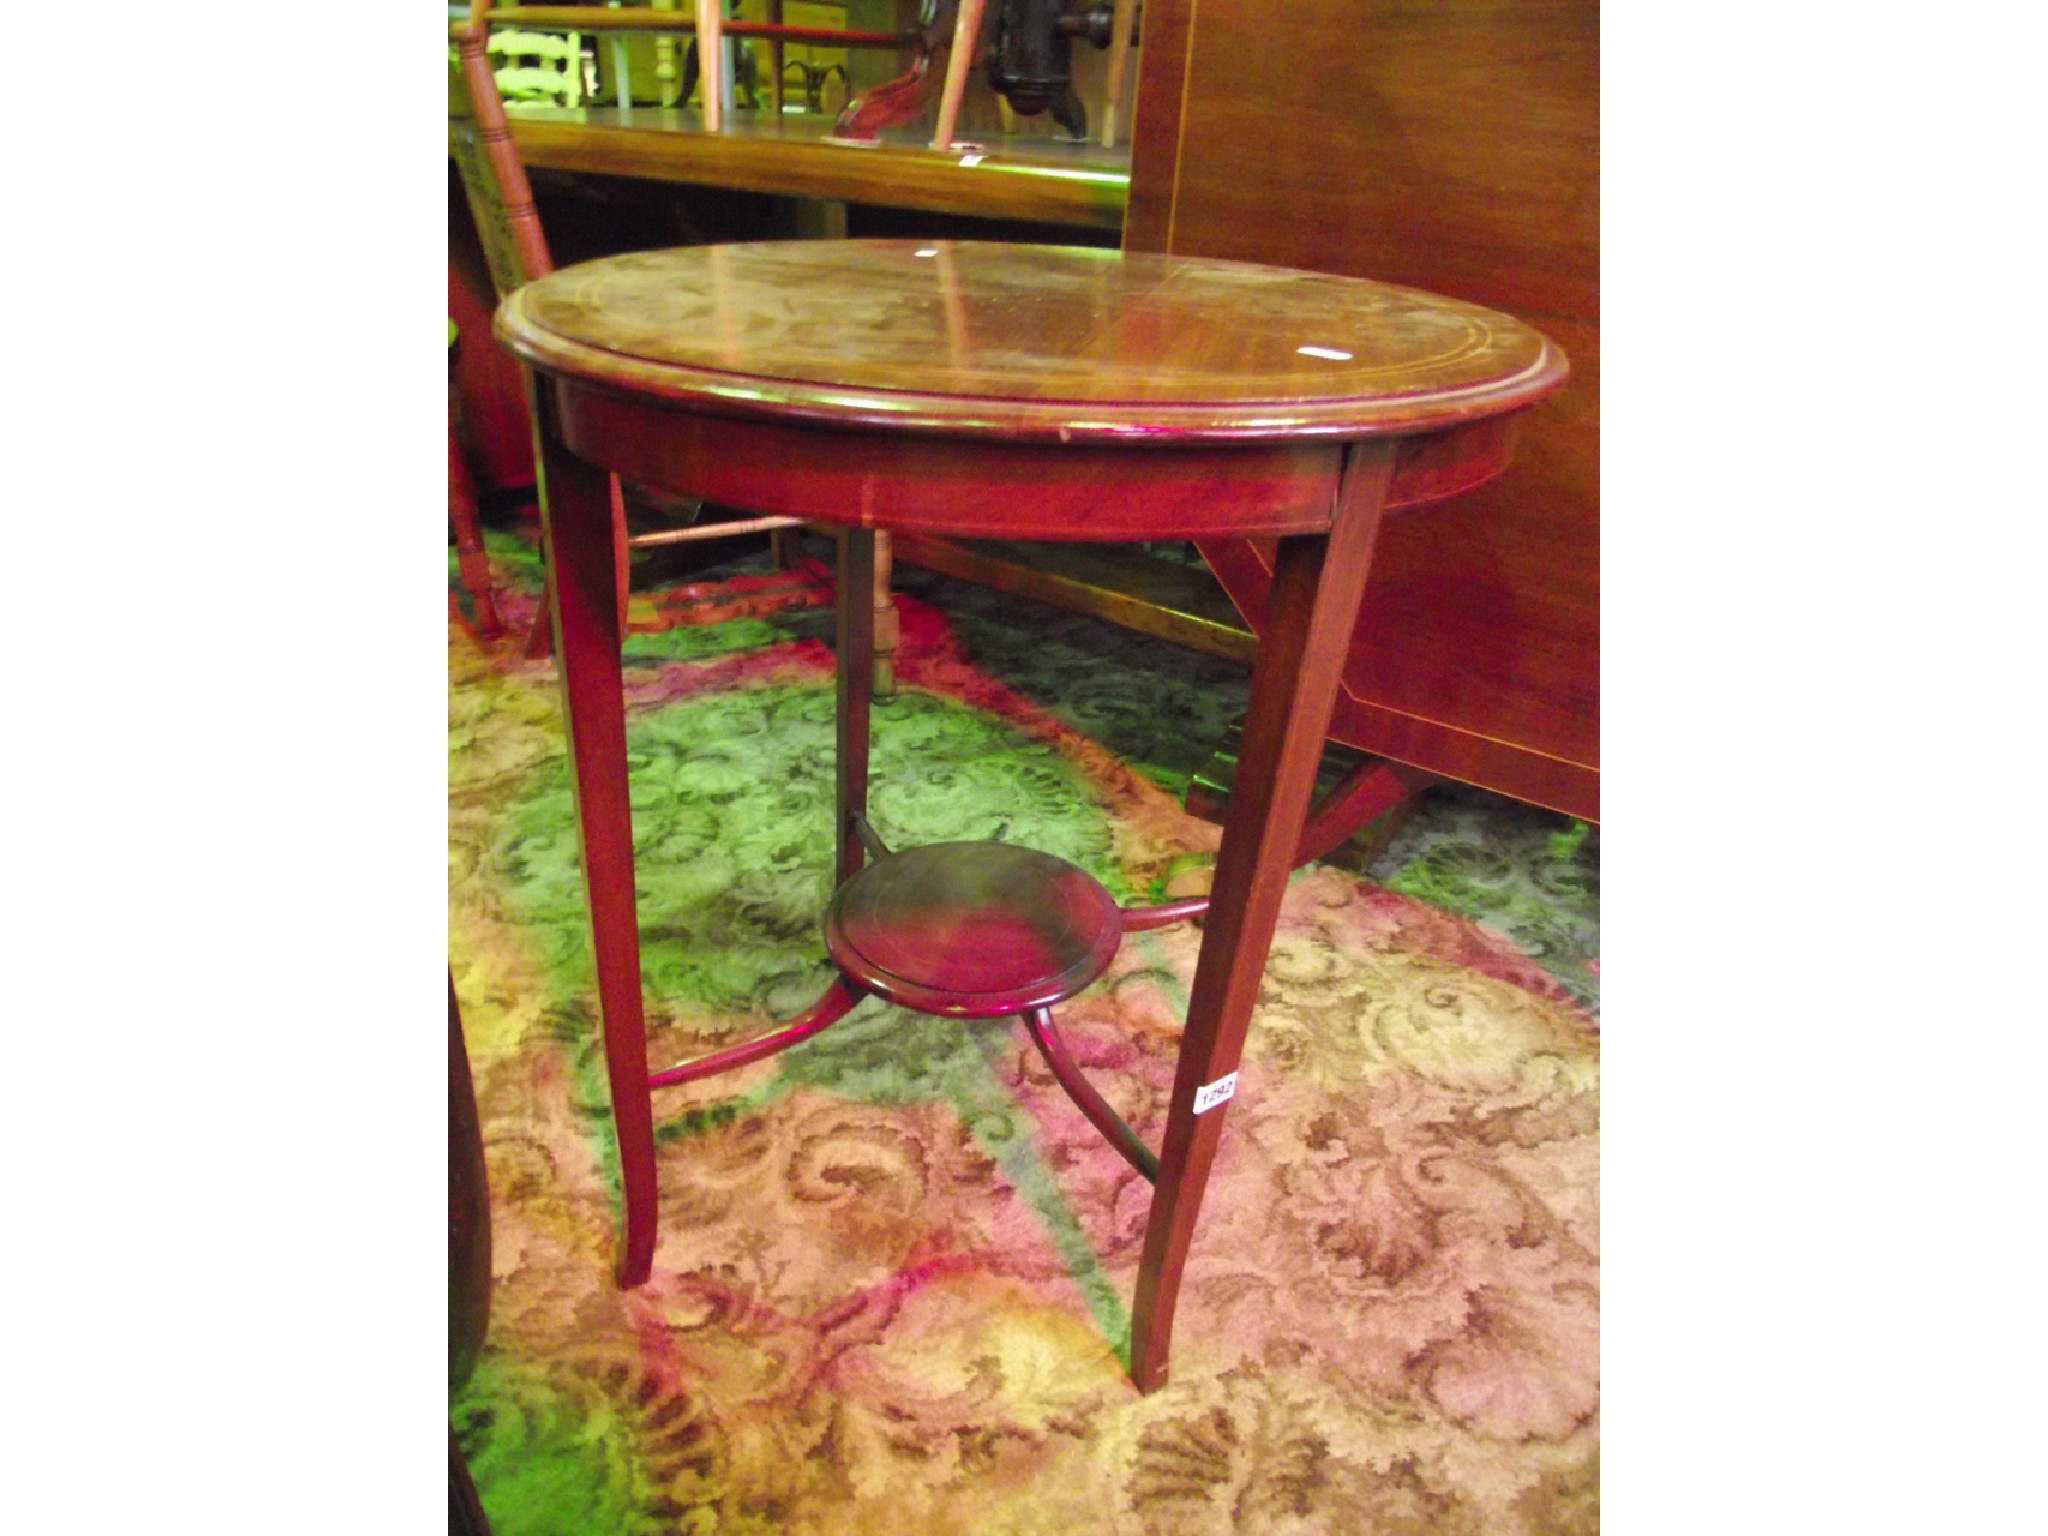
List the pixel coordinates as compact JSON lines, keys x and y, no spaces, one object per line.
{"x":1080,"y":186}
{"x":642,"y":19}
{"x":1316,"y":589}
{"x":1452,"y":145}
{"x":973,"y":930}
{"x":867,"y":477}
{"x":854,"y":647}
{"x":1027,"y":343}
{"x":493,"y":177}
{"x":967,"y":394}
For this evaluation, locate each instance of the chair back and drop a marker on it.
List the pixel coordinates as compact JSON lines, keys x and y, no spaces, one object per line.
{"x":480,"y":142}
{"x":538,"y":66}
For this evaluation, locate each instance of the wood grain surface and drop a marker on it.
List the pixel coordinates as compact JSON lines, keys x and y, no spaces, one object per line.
{"x":1079,"y":186}
{"x":1452,"y":145}
{"x":987,"y":340}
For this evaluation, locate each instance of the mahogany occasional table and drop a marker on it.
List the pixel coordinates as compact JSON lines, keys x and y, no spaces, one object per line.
{"x":1000,"y":391}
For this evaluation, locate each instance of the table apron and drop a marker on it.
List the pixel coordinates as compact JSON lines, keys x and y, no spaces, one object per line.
{"x":969,"y":488}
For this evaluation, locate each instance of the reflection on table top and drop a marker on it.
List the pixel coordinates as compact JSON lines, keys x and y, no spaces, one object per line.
{"x":1022,"y":340}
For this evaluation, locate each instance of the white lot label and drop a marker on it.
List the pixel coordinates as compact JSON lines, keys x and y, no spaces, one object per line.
{"x":1215,"y":1093}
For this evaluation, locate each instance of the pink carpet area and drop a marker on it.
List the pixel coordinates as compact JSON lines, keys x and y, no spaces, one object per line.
{"x":892,"y":1288}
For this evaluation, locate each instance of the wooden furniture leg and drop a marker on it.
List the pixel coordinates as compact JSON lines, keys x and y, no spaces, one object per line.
{"x":472,"y":565}
{"x":576,"y":521}
{"x":622,"y":551}
{"x":959,"y":63}
{"x":465,"y":1509}
{"x":888,"y":629}
{"x":469,"y":1211}
{"x":1045,"y":1034}
{"x":540,"y":639}
{"x":1367,"y":793}
{"x":1362,"y":797}
{"x":1123,"y":23}
{"x":711,"y":61}
{"x":855,"y":611}
{"x":1317,"y":584}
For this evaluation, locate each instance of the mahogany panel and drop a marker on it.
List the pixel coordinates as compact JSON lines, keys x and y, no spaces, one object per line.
{"x":1451,"y":145}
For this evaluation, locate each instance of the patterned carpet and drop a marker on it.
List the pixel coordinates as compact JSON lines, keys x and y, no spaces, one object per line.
{"x":895,"y":1266}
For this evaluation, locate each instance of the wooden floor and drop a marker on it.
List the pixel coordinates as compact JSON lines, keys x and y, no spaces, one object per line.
{"x":1037,"y":178}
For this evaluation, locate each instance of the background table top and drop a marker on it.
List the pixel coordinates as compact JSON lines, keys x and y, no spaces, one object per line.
{"x":1025,"y":341}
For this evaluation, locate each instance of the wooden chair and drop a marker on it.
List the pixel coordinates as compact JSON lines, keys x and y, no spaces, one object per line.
{"x":472,"y":564}
{"x":508,"y":225}
{"x":537,"y":66}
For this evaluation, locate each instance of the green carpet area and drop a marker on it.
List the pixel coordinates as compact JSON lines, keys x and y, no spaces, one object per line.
{"x":893,"y":1280}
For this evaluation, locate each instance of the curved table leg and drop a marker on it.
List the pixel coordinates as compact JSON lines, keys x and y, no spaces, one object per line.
{"x":1317,"y":583}
{"x":582,"y":555}
{"x":840,"y":999}
{"x":1091,"y":1103}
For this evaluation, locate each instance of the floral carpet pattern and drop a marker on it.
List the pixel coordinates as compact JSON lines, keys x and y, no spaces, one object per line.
{"x":893,"y":1280}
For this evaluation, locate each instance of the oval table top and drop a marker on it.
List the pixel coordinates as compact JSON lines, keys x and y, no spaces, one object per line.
{"x":989,"y":340}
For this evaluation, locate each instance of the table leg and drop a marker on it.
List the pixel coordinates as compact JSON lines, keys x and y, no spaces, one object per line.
{"x":576,"y":520}
{"x":854,"y":607}
{"x":888,"y":625}
{"x":472,"y":565}
{"x":1317,"y":582}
